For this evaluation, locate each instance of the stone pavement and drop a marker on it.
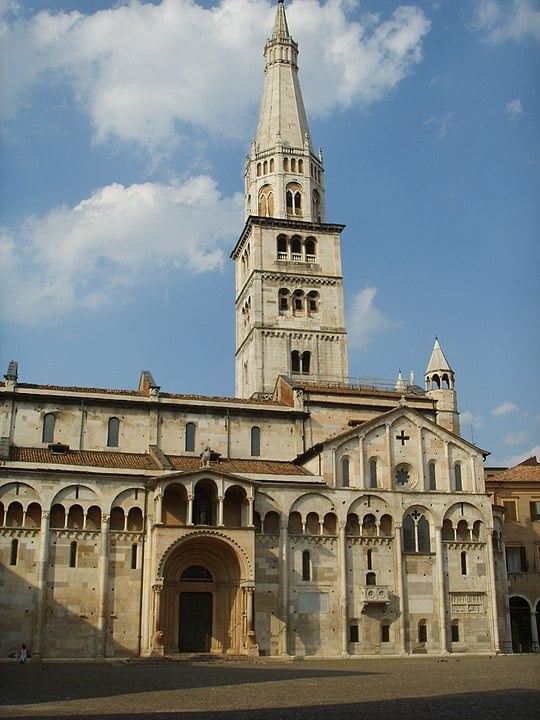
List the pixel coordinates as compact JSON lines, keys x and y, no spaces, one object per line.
{"x":490,"y":688}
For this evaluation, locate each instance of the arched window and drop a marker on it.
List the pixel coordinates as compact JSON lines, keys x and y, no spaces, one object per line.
{"x":310,"y":250}
{"x":265,"y":167}
{"x":75,"y":517}
{"x":300,"y":166}
{"x":432,"y":476}
{"x":203,"y":511}
{"x":371,"y":578}
{"x":369,"y":526}
{"x":271,"y":523}
{"x":118,"y":519}
{"x":286,"y":164}
{"x":135,"y":520}
{"x":48,"y":428}
{"x":416,"y":533}
{"x":271,"y":164}
{"x":330,"y":524}
{"x":373,"y":473}
{"x":345,"y":472}
{"x":463,"y":563}
{"x":353,"y":526}
{"x":316,"y":202}
{"x":190,"y":437}
{"x":112,"y":432}
{"x":295,"y":361}
{"x":14,"y":516}
{"x":370,"y":559}
{"x":313,"y":301}
{"x":306,"y":565}
{"x":255,"y":441}
{"x":457,"y":477}
{"x":422,"y":631}
{"x":14,"y":551}
{"x":266,"y":201}
{"x":73,"y":554}
{"x":293,"y":199}
{"x":293,"y":165}
{"x":282,"y":251}
{"x":312,"y":524}
{"x":306,"y":362}
{"x":298,"y":301}
{"x":258,"y":169}
{"x":284,"y":299}
{"x":385,"y":631}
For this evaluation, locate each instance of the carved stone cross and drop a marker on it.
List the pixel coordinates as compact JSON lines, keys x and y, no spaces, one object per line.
{"x":402,"y":437}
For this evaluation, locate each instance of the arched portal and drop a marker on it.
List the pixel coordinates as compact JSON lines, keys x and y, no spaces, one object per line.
{"x":203,"y":602}
{"x":520,"y":622}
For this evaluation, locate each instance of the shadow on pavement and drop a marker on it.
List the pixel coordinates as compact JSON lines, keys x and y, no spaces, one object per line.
{"x":500,"y":705}
{"x":76,"y":681}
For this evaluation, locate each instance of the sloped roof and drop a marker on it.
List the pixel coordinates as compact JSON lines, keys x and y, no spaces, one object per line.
{"x":526,"y":472}
{"x":250,"y":465}
{"x":88,"y":458}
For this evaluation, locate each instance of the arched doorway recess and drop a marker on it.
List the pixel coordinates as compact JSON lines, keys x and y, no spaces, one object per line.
{"x":204,"y":604}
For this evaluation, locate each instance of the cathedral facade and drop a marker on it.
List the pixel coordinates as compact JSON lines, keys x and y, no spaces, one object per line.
{"x":308,"y":515}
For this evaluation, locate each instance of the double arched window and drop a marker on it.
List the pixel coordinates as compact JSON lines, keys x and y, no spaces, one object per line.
{"x":416,"y":533}
{"x":301,"y":362}
{"x":293,"y":199}
{"x":266,"y":201}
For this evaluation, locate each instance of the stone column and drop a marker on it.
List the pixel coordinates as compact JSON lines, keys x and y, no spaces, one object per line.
{"x":534,"y":627}
{"x":103,"y":624}
{"x":398,"y":554}
{"x":441,"y":592}
{"x":220,"y":500}
{"x":491,"y":595}
{"x":249,"y":640}
{"x":41,"y":595}
{"x":190,"y":498}
{"x":158,"y":499}
{"x":342,"y":575}
{"x":157,"y":633}
{"x":250,"y":502}
{"x":284,"y":582}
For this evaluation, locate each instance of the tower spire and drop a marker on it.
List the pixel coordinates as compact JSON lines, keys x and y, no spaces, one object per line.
{"x":283,"y":176}
{"x":439,"y":378}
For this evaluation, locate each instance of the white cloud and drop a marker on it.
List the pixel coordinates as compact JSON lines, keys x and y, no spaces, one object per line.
{"x":513,"y":460}
{"x":85,"y":255}
{"x":507,"y":20}
{"x":514,"y":109}
{"x":365,"y":320}
{"x":180,"y":62}
{"x":517,"y":438}
{"x":439,"y":125}
{"x":470,"y":420}
{"x":504,"y":409}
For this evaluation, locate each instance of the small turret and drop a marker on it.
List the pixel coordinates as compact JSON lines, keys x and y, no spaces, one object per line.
{"x":439,"y":378}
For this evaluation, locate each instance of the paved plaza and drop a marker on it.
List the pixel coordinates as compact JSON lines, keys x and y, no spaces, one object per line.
{"x":455,"y":687}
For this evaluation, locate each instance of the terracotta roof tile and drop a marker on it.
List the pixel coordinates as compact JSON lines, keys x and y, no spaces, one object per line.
{"x":88,"y":458}
{"x":526,"y":472}
{"x":256,"y":467}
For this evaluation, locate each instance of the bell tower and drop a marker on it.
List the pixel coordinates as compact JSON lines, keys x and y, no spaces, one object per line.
{"x":290,"y":317}
{"x":440,"y":386}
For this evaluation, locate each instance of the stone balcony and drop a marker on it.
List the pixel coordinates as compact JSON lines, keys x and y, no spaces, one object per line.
{"x":374,"y":595}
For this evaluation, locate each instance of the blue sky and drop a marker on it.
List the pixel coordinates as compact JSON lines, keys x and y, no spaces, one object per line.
{"x":125,"y":126}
